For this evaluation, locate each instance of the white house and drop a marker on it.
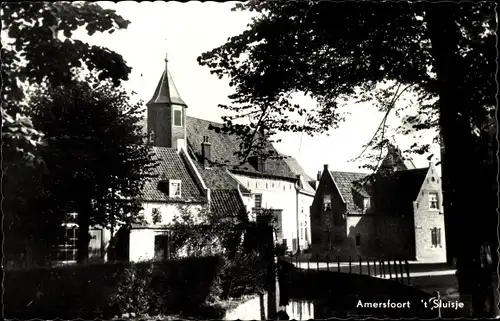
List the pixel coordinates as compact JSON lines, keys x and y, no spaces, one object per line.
{"x":199,"y":171}
{"x":276,"y":183}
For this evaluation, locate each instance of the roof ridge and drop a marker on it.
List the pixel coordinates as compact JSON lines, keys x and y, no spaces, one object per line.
{"x":205,"y":120}
{"x":346,"y":172}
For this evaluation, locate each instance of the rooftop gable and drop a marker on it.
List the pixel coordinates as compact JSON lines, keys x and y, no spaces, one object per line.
{"x":171,"y":166}
{"x":390,"y":193}
{"x":347,"y":186}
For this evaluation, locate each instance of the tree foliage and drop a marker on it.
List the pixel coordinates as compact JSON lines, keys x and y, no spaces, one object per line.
{"x":37,"y":48}
{"x":34,"y":53}
{"x":95,"y":156}
{"x":443,"y":53}
{"x":318,"y":49}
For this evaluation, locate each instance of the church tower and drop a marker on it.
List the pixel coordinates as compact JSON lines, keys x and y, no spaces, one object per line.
{"x":166,"y":112}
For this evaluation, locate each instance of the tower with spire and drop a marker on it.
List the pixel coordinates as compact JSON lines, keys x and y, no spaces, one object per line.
{"x":166,"y":114}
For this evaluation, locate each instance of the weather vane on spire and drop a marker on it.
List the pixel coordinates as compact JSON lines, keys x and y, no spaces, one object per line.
{"x":166,"y":54}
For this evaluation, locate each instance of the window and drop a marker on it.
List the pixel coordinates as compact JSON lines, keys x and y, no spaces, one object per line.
{"x":95,"y":244}
{"x":258,"y":200}
{"x":436,"y":237}
{"x":302,"y":206}
{"x":366,"y":204}
{"x":327,"y":202}
{"x":151,"y":137}
{"x":162,"y":247}
{"x":358,"y":239}
{"x":175,"y":188}
{"x":66,"y":250}
{"x":305,"y":232}
{"x":433,"y":201}
{"x":178,"y":116}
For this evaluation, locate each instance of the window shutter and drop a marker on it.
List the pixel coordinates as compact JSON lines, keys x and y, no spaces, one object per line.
{"x":438,"y":241}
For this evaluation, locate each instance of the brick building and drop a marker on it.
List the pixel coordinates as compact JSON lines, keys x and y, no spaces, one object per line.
{"x":395,"y":213}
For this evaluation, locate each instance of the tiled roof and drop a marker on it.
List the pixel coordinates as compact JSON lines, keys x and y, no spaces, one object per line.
{"x":172,"y":166}
{"x":346,"y":183}
{"x":396,"y":192}
{"x":166,"y":92}
{"x":295,"y":167}
{"x":391,"y":194}
{"x":226,"y":203}
{"x":224,"y":147}
{"x":219,"y":178}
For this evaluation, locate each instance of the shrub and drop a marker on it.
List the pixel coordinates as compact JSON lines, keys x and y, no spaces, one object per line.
{"x":133,"y":292}
{"x":104,"y":290}
{"x":244,"y":275}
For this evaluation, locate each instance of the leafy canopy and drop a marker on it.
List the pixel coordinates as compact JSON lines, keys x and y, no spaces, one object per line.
{"x":95,"y":154}
{"x":37,"y":48}
{"x":336,"y":50}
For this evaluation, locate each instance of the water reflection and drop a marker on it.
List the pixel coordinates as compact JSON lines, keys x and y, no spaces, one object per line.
{"x":299,"y":309}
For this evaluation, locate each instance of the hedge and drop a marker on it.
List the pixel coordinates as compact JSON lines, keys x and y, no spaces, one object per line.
{"x":86,"y":291}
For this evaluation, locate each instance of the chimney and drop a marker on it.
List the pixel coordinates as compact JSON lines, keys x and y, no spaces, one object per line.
{"x":180,"y":144}
{"x":325,"y":167}
{"x":318,"y":177}
{"x":206,"y":152}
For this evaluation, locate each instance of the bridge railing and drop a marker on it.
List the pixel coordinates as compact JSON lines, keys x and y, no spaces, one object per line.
{"x":394,"y":269}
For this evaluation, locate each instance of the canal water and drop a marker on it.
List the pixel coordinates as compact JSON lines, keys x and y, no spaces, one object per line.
{"x":255,"y":308}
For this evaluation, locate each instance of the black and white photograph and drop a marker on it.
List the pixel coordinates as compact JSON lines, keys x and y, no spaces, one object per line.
{"x":249,"y":160}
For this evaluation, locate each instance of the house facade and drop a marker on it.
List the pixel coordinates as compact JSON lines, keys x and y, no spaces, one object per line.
{"x":199,"y":172}
{"x":397,"y":214}
{"x":277,"y":183}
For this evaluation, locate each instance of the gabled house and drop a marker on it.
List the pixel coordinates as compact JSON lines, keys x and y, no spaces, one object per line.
{"x":278,"y":184}
{"x":397,"y":214}
{"x":182,"y":186}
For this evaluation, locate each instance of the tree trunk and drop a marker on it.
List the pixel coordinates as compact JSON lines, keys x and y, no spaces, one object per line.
{"x":464,"y":213}
{"x":83,"y":237}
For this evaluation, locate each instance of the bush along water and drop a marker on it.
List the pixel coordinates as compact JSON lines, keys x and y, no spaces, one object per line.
{"x":111,"y":289}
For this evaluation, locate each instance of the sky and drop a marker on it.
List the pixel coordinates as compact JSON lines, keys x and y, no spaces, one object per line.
{"x":186,"y":30}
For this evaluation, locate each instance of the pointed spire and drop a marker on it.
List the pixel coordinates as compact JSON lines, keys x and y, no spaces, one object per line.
{"x":166,"y":92}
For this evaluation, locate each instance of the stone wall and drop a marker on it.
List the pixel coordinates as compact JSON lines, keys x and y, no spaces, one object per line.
{"x":425,"y":219}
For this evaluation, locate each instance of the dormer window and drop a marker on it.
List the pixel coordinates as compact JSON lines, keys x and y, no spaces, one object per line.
{"x":177,"y":116}
{"x":433,"y":201}
{"x":174,"y":188}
